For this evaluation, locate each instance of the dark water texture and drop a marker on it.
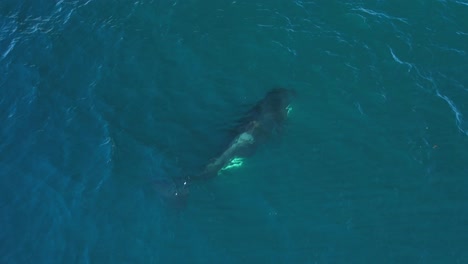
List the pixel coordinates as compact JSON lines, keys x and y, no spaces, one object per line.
{"x":99,"y":98}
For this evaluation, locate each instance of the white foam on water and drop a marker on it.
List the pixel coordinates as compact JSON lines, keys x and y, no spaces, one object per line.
{"x":458,"y":114}
{"x":380,"y":15}
{"x":290,"y":50}
{"x":410,"y":66}
{"x":10,"y":48}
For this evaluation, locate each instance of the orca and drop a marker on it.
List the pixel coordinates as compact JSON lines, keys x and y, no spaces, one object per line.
{"x":266,"y":118}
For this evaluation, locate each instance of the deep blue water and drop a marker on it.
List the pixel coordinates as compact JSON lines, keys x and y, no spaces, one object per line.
{"x":100,"y":98}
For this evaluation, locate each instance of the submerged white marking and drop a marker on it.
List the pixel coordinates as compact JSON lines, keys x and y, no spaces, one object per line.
{"x":288,"y":109}
{"x":245,"y":137}
{"x":233,"y":163}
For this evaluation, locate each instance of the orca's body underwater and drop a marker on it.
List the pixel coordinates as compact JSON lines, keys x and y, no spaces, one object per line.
{"x":265,"y":118}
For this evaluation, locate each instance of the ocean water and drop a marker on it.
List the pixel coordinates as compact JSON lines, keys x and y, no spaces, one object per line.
{"x":100,"y":98}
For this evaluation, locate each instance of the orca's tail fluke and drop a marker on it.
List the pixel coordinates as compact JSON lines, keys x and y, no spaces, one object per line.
{"x":171,"y":192}
{"x":176,"y":190}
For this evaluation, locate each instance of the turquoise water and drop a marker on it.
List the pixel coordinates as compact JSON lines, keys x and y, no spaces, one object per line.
{"x":100,"y":98}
